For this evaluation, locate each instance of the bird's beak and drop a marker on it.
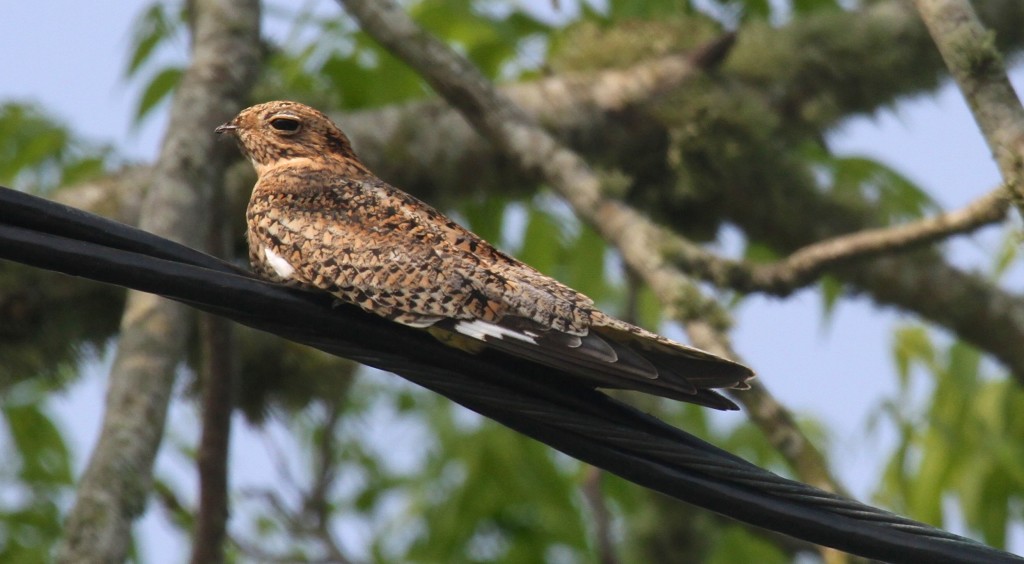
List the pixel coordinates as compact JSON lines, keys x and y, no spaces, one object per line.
{"x":225,"y":127}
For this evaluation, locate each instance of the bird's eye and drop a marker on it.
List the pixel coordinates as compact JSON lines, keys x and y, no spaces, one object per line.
{"x":285,"y":124}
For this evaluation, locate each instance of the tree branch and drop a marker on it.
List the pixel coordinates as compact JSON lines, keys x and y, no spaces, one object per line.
{"x":533,"y":149}
{"x":922,"y":282}
{"x":326,"y":466}
{"x":218,"y":377}
{"x":118,"y":479}
{"x":804,"y":266}
{"x":606,"y":551}
{"x":218,"y":383}
{"x":970,"y":52}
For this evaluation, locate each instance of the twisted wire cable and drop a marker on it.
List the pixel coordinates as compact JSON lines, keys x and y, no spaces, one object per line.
{"x":540,"y":402}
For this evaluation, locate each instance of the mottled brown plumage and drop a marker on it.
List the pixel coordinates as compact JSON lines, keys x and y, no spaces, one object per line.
{"x":320,"y":220}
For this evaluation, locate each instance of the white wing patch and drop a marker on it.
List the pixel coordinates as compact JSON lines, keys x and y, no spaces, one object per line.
{"x":277,"y":262}
{"x":480,"y":330}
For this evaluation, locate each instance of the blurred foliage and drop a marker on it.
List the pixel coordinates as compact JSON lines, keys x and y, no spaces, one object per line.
{"x":858,"y":180}
{"x":488,"y":494}
{"x":47,"y":322}
{"x":38,"y":154}
{"x":159,"y":34}
{"x":47,"y":319}
{"x":268,"y":366}
{"x":962,"y":442}
{"x":35,"y":474}
{"x":326,"y":61}
{"x":960,"y":423}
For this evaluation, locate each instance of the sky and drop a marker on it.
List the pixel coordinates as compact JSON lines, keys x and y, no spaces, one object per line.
{"x":76,"y":73}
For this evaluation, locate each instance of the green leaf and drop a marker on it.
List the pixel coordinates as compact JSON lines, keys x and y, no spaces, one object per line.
{"x":995,"y":510}
{"x":965,"y":445}
{"x":37,"y":153}
{"x":142,"y":52}
{"x":738,"y":545}
{"x":489,"y":38}
{"x":487,"y":217}
{"x":369,"y":76}
{"x":84,"y":169}
{"x":649,"y":308}
{"x":832,"y":289}
{"x":1009,"y":251}
{"x":45,"y":459}
{"x":35,"y":473}
{"x":897,"y":197}
{"x":803,"y":7}
{"x":751,"y":10}
{"x":158,"y":89}
{"x":150,"y":30}
{"x":912,"y":344}
{"x":587,"y":265}
{"x":930,"y":478}
{"x":544,"y":242}
{"x":154,"y":27}
{"x":756,"y":251}
{"x":964,"y":367}
{"x":647,"y":10}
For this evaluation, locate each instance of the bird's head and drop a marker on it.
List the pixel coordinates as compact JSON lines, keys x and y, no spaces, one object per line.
{"x":274,"y":133}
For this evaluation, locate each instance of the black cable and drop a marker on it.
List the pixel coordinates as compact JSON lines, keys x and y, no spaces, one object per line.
{"x":540,"y":402}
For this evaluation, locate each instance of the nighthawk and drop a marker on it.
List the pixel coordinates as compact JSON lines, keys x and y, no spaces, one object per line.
{"x":320,"y":220}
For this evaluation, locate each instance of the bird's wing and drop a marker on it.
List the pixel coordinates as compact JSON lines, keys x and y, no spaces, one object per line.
{"x":397,"y":257}
{"x":379,"y":248}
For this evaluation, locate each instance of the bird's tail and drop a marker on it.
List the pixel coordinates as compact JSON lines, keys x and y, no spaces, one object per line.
{"x":680,"y":372}
{"x":612,"y":355}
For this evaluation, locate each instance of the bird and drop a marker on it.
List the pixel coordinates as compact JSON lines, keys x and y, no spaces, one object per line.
{"x":320,"y":220}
